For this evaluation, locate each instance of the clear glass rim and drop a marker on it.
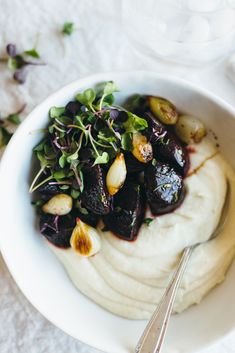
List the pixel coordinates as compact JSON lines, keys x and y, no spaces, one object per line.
{"x":185,"y":9}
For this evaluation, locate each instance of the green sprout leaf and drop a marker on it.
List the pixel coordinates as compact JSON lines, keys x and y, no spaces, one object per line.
{"x":14,"y":119}
{"x":73,"y":157}
{"x":126,"y":141}
{"x":68,"y":28}
{"x":40,"y":146}
{"x":148,"y":221}
{"x":87,"y":98}
{"x":108,"y":100}
{"x":64,"y":187}
{"x":51,"y":129}
{"x":75,"y":193}
{"x":5,"y":137}
{"x":102,"y":159}
{"x":135,"y":123}
{"x":12,"y":64}
{"x":33,"y":53}
{"x":41,"y":157}
{"x":109,"y":88}
{"x":60,"y":174}
{"x":56,"y":112}
{"x":62,"y":161}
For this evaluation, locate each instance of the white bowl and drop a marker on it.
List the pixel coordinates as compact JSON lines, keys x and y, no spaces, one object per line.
{"x":42,"y":278}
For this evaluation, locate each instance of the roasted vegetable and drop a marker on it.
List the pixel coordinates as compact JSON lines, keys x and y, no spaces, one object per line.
{"x":162,"y":109}
{"x":169,"y":149}
{"x":58,"y":205}
{"x":87,"y":216}
{"x":164,"y":188}
{"x":166,"y":147}
{"x":155,"y":129}
{"x":142,"y":149}
{"x":57,"y":229}
{"x":99,"y":159}
{"x":48,"y":190}
{"x":132,"y":164}
{"x":190,"y":129}
{"x":128,"y":213}
{"x":85,"y":239}
{"x":116,"y":175}
{"x":95,"y":196}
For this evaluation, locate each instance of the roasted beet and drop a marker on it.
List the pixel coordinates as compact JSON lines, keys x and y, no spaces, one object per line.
{"x":166,"y":146}
{"x":95,"y":196}
{"x":128,"y":213}
{"x":88,"y":217}
{"x":57,"y":230}
{"x":132,"y":164}
{"x":48,"y":190}
{"x":164,"y":188}
{"x":155,"y":129}
{"x":169,"y":149}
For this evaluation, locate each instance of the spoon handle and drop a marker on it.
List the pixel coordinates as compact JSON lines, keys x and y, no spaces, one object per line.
{"x":152,"y":338}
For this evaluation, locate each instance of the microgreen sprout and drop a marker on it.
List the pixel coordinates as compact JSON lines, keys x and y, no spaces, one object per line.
{"x":11,"y":119}
{"x":17,"y":62}
{"x":68,"y":28}
{"x":92,"y":125}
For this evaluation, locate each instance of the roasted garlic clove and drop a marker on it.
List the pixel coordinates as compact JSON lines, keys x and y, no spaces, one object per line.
{"x":85,"y":239}
{"x":190,"y":129}
{"x":59,"y":205}
{"x":142,"y":149}
{"x":164,"y":110}
{"x":116,"y":175}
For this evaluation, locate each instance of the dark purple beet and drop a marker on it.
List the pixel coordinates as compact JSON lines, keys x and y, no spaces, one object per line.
{"x":129,"y":210}
{"x":48,"y":190}
{"x":56,"y":229}
{"x":95,"y":196}
{"x":132,"y":164}
{"x":88,"y":218}
{"x":169,"y":149}
{"x":166,"y":147}
{"x":155,"y":129}
{"x":164,"y":188}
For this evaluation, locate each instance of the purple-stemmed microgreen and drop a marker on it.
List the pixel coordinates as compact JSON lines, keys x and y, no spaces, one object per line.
{"x":17,"y":62}
{"x":94,"y":124}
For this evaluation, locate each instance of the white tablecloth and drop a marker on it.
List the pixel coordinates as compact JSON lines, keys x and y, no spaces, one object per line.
{"x":98,"y":44}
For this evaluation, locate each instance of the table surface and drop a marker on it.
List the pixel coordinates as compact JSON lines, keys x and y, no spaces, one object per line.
{"x":97,"y":45}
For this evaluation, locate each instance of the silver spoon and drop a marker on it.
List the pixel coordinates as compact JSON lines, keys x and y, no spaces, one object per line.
{"x":153,"y":336}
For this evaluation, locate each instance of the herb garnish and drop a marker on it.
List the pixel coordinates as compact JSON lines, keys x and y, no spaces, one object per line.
{"x":5,"y":134}
{"x":94,"y":125}
{"x":148,"y":221}
{"x":68,"y":28}
{"x":17,"y":62}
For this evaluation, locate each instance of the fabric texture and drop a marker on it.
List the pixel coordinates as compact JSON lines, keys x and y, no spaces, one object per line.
{"x":98,"y":44}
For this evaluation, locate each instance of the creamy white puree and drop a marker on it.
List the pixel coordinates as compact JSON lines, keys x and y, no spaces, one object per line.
{"x":128,"y":278}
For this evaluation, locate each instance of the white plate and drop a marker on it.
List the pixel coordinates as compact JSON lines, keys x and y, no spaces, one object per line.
{"x":42,"y":278}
